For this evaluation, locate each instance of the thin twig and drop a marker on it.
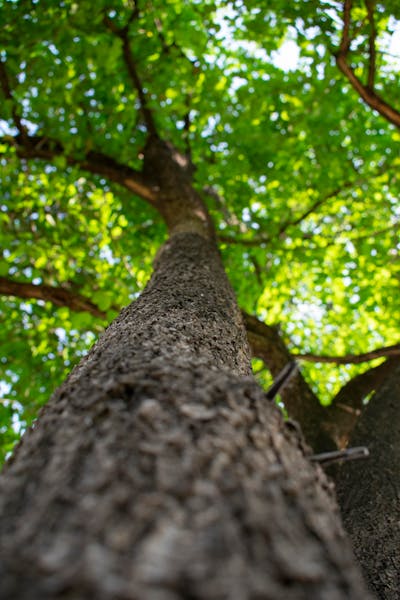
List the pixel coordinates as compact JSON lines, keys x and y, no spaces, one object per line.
{"x":371,"y":45}
{"x":254,"y":242}
{"x":356,"y":453}
{"x":282,"y":379}
{"x":351,"y":358}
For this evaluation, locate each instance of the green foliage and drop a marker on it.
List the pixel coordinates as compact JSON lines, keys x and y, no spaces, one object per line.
{"x":304,"y":175}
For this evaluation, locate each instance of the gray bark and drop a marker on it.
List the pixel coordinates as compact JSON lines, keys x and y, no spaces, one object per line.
{"x":369,"y":491}
{"x":158,"y":471}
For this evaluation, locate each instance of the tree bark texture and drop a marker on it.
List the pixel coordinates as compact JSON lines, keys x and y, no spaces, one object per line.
{"x":369,"y":491}
{"x":159,"y":471}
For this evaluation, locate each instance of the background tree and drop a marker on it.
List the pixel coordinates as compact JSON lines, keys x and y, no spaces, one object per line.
{"x":297,"y":172}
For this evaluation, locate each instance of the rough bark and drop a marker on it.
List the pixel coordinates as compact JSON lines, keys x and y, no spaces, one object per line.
{"x":180,"y":206}
{"x":158,"y":471}
{"x":369,"y":491}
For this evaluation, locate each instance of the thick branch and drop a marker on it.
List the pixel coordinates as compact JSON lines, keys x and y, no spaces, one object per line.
{"x":370,"y":97}
{"x":357,"y":389}
{"x":351,"y":358}
{"x":44,"y":148}
{"x":57,"y":295}
{"x":365,"y":91}
{"x":348,"y":404}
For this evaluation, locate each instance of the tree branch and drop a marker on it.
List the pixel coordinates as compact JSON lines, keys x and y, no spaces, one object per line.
{"x":57,"y":295}
{"x":5,"y":86}
{"x":300,"y":401}
{"x":365,"y":91}
{"x":45,"y":148}
{"x":353,"y":393}
{"x":320,"y":424}
{"x":255,"y":242}
{"x":351,"y":358}
{"x":123,"y":34}
{"x":313,"y":207}
{"x":371,"y":43}
{"x":346,"y":39}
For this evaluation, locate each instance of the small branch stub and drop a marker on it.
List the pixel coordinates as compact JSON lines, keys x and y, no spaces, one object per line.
{"x":282,"y":380}
{"x":356,"y":453}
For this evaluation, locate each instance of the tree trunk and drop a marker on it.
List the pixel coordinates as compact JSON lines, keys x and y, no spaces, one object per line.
{"x":369,"y":491}
{"x":159,"y":471}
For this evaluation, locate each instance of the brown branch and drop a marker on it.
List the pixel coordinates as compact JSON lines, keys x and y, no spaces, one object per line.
{"x":123,"y":34}
{"x":351,"y":358}
{"x":353,"y":393}
{"x":98,"y":163}
{"x":285,"y":226}
{"x":346,"y":39}
{"x":370,"y":97}
{"x":321,"y":425}
{"x":317,"y":204}
{"x":364,"y":91}
{"x":5,"y":86}
{"x":345,"y":186}
{"x":57,"y":295}
{"x":371,"y":44}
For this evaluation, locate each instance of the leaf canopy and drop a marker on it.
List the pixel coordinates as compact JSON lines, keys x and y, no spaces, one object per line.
{"x":299,"y":174}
